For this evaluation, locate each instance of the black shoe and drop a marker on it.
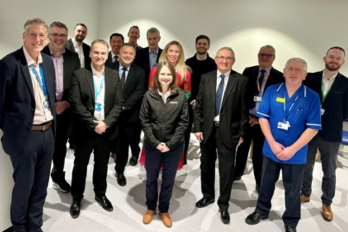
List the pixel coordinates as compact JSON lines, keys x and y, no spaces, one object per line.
{"x":62,"y":186}
{"x":205,"y":201}
{"x":104,"y":203}
{"x":290,"y":229}
{"x":255,"y":218}
{"x":225,"y":216}
{"x":75,"y":209}
{"x":133,"y":161}
{"x":121,"y":179}
{"x":237,"y":178}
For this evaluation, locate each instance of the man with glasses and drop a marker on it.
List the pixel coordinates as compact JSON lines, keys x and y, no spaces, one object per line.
{"x":65,"y":63}
{"x":27,"y":115}
{"x":77,"y":45}
{"x":222,"y":129}
{"x":260,"y":78}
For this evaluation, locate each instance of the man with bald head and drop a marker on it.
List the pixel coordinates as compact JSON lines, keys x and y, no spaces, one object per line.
{"x":222,"y":129}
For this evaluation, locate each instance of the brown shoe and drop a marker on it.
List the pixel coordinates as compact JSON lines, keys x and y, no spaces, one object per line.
{"x":304,"y":198}
{"x":327,"y":213}
{"x":147,"y":218}
{"x":167,"y":221}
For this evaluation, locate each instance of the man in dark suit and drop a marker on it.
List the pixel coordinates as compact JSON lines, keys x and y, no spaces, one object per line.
{"x":148,"y":57}
{"x":132,"y":82}
{"x":65,"y":63}
{"x":77,"y":45}
{"x":116,"y":42}
{"x":260,"y":78}
{"x":27,"y":115}
{"x":95,"y":97}
{"x":133,"y":36}
{"x":221,"y":118}
{"x":332,"y":88}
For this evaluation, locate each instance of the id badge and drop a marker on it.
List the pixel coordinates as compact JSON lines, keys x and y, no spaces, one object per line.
{"x":98,"y":106}
{"x":283,"y":125}
{"x":257,"y":98}
{"x":45,"y":103}
{"x":322,"y":111}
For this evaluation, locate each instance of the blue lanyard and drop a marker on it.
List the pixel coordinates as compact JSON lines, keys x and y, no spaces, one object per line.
{"x":96,"y":91}
{"x":40,"y":80}
{"x":292,"y":105}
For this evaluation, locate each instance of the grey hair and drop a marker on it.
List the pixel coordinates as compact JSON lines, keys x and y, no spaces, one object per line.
{"x":299,"y":60}
{"x":57,"y":24}
{"x":34,"y":21}
{"x":100,"y":41}
{"x":226,"y":48}
{"x":270,"y":47}
{"x":153,"y":30}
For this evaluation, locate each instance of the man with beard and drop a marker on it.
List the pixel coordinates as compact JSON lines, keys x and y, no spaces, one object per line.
{"x":332,"y":88}
{"x":77,"y":45}
{"x":65,"y":63}
{"x":200,"y":63}
{"x":116,"y":42}
{"x":134,"y":35}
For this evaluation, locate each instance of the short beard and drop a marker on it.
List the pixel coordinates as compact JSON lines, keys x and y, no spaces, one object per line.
{"x":332,"y":69}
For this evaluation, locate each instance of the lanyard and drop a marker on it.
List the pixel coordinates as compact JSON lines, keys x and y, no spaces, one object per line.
{"x":40,"y":80}
{"x":292,"y":105}
{"x":322,"y":90}
{"x":96,"y":91}
{"x":264,"y":80}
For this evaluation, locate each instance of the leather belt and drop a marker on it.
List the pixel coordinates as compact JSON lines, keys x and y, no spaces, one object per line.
{"x":217,"y":124}
{"x":43,"y":127}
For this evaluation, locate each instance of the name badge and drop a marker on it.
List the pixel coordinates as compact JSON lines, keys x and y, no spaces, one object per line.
{"x":280,"y":99}
{"x":45,"y":103}
{"x":283,"y":125}
{"x":257,"y":98}
{"x":98,"y":106}
{"x":322,"y":111}
{"x":173,"y":102}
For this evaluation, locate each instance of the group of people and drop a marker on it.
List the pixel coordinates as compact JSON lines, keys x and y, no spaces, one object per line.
{"x":101,"y":100}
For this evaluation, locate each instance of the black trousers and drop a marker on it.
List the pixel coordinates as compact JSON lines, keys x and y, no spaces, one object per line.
{"x":256,"y":136}
{"x":153,"y":162}
{"x":83,"y":149}
{"x":63,"y":123}
{"x":188,"y":133}
{"x":123,"y":143}
{"x":31,"y":175}
{"x":134,"y":143}
{"x":226,"y":168}
{"x":292,"y":180}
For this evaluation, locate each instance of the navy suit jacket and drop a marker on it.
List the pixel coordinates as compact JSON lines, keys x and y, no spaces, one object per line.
{"x":86,"y":50}
{"x":335,"y":105}
{"x":17,"y":102}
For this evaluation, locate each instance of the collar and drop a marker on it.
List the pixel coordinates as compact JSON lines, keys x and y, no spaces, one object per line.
{"x":206,"y":57}
{"x":301,"y":91}
{"x":30,"y":60}
{"x":332,"y":78}
{"x":52,"y":53}
{"x":98,"y":74}
{"x":75,"y":43}
{"x":156,"y":52}
{"x":227,"y":74}
{"x":121,"y":67}
{"x":267,"y":69}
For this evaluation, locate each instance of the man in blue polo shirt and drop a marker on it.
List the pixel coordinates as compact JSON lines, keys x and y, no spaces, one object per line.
{"x":289,"y":116}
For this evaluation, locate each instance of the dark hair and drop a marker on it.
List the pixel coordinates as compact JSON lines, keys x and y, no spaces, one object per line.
{"x":80,"y":24}
{"x":57,"y":24}
{"x":156,"y":86}
{"x":116,"y":35}
{"x":337,"y":47}
{"x":135,"y":26}
{"x":203,"y":37}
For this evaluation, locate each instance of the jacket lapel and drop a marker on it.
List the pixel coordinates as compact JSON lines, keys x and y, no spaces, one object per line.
{"x":89,"y":79}
{"x":335,"y":86}
{"x":229,"y":87}
{"x":25,"y":72}
{"x":129,"y":76}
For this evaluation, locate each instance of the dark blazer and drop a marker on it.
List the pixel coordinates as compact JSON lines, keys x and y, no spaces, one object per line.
{"x":275,"y":77}
{"x":17,"y":103}
{"x":142,"y":59}
{"x":70,"y":64}
{"x":234,"y":114}
{"x":82,"y":98}
{"x":133,"y":92}
{"x":86,"y":49}
{"x":335,"y":105}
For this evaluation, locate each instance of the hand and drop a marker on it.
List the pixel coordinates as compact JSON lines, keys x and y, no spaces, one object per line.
{"x":101,"y":127}
{"x":276,"y":148}
{"x":61,"y":106}
{"x":240,"y":141}
{"x":123,"y":108}
{"x":165,"y":148}
{"x":253,"y":120}
{"x":193,"y":104}
{"x":286,"y":154}
{"x":199,"y":136}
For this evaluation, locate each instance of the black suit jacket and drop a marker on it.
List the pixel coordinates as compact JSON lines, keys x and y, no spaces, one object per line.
{"x":82,"y":98}
{"x":142,"y":59}
{"x":335,"y":105}
{"x":133,"y":93}
{"x":234,"y":114}
{"x":275,"y":77}
{"x":86,"y":50}
{"x":17,"y":102}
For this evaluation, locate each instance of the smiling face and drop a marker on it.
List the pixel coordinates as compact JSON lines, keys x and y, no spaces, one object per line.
{"x":80,"y":33}
{"x":334,"y":59}
{"x":133,"y":35}
{"x":58,"y":38}
{"x":98,"y":55}
{"x":165,"y":77}
{"x":266,"y":57}
{"x":294,"y":73}
{"x":224,"y":60}
{"x":173,"y":54}
{"x":116,"y":43}
{"x":34,"y":38}
{"x":202,"y":46}
{"x":127,"y":55}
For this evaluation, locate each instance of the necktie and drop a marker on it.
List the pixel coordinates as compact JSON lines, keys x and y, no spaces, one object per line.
{"x":123,"y":77}
{"x":262,"y":76}
{"x":116,"y":59}
{"x":219,"y":93}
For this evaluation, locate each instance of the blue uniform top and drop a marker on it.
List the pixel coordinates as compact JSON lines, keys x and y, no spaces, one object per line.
{"x":300,"y":112}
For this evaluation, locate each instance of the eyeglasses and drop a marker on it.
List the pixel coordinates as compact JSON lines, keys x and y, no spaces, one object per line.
{"x":34,"y":36}
{"x":55,"y":35}
{"x":228,"y":58}
{"x":268,"y":56}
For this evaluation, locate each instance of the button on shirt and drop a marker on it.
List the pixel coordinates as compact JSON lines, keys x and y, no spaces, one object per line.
{"x":59,"y":70}
{"x":99,"y":82}
{"x":153,"y":57}
{"x":79,"y":51}
{"x":41,"y":114}
{"x":305,"y":113}
{"x":227,"y":75}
